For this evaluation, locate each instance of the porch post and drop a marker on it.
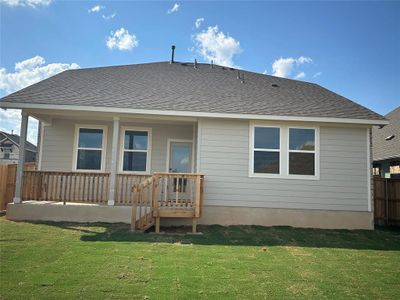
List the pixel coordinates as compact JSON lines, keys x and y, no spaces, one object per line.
{"x":113,"y":167}
{"x":21,"y":157}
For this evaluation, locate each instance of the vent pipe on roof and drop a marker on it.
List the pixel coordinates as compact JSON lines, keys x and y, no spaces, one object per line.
{"x":172,"y":54}
{"x":195,"y":63}
{"x":212,"y":64}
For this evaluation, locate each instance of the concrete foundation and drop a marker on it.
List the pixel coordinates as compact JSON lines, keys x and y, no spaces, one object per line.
{"x":74,"y":212}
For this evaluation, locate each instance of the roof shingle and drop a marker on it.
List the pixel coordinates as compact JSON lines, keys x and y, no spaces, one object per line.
{"x":181,"y":87}
{"x":384,"y":149}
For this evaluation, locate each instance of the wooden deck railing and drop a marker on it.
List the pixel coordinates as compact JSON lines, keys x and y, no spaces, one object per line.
{"x":65,"y":186}
{"x":124,"y":185}
{"x":175,"y":195}
{"x":143,"y":197}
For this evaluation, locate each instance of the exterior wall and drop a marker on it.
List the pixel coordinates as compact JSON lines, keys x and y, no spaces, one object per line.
{"x":58,"y":142}
{"x":13,"y":159}
{"x":13,"y":156}
{"x":343,"y":182}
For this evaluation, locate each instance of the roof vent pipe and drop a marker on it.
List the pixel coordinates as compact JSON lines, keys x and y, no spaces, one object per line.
{"x":195,"y":63}
{"x":212,"y":64}
{"x":238,"y":75}
{"x":172,"y":54}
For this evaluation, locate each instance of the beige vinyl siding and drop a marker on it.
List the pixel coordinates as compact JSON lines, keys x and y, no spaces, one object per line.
{"x":224,"y":159}
{"x":58,"y":142}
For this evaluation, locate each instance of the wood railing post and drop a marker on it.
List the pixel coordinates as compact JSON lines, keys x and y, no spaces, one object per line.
{"x":198,"y":197}
{"x":155,"y":193}
{"x":135,"y":194}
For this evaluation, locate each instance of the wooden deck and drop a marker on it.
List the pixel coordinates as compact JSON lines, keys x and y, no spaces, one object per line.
{"x":161,"y":195}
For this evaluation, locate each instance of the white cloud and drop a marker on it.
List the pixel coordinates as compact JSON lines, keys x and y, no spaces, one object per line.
{"x":96,"y":8}
{"x":300,"y":75}
{"x":173,"y":9}
{"x":265,"y":72}
{"x":198,"y":22}
{"x":283,"y":67}
{"x":109,"y":17}
{"x":215,"y":45}
{"x":122,"y":40}
{"x":25,"y":73}
{"x":317,"y":74}
{"x":31,"y":3}
{"x":28,"y":72}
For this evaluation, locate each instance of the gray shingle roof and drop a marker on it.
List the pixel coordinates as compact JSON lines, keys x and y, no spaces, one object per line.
{"x":15,"y":139}
{"x":181,"y":87}
{"x":382,"y":148}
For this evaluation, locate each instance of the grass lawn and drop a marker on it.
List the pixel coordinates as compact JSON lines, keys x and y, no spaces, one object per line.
{"x":65,"y":260}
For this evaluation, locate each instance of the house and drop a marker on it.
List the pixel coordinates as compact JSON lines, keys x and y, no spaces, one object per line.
{"x":386,"y":147}
{"x":256,"y":149}
{"x":9,"y":149}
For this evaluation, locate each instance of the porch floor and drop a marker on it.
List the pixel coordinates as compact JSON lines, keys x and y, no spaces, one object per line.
{"x":32,"y":210}
{"x":70,"y":212}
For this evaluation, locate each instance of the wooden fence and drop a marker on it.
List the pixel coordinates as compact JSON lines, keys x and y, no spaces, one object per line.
{"x":7,"y":182}
{"x":386,"y":201}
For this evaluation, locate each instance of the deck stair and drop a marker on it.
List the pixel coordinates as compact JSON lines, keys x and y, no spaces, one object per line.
{"x":166,"y":195}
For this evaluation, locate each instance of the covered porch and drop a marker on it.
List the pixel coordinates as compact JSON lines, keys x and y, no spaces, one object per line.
{"x":148,"y":165}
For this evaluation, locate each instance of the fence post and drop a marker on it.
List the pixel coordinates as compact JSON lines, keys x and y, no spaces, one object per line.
{"x":386,"y":203}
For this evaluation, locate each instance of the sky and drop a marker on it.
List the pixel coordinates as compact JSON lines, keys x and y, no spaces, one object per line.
{"x":351,"y":48}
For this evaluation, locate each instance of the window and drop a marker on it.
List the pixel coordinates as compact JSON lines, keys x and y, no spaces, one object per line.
{"x":90,"y":148}
{"x":280,"y":151}
{"x":376,"y":171}
{"x":136,"y":145}
{"x":266,"y":150}
{"x":7,"y":152}
{"x":301,"y":151}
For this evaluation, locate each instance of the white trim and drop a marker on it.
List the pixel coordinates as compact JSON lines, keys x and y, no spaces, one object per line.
{"x":189,"y":113}
{"x":102,"y":149}
{"x":169,"y":141}
{"x":113,"y":161}
{"x":315,"y":152}
{"x":194,"y":148}
{"x":284,"y":152}
{"x":369,"y":170}
{"x":198,"y":147}
{"x":252,"y":149}
{"x":41,"y":147}
{"x":122,"y":149}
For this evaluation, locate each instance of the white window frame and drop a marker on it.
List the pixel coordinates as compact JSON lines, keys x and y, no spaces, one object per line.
{"x":284,"y":151}
{"x":315,"y":152}
{"x":252,"y":149}
{"x":102,"y":149}
{"x":122,"y":149}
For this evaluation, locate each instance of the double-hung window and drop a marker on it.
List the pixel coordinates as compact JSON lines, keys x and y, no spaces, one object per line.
{"x":283,"y":151}
{"x":302,"y":151}
{"x":135,"y":148}
{"x":90,"y":148}
{"x":266,"y":150}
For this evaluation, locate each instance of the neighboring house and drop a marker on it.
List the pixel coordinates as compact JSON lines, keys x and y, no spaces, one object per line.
{"x":9,"y":149}
{"x":386,"y":147}
{"x":273,"y":151}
